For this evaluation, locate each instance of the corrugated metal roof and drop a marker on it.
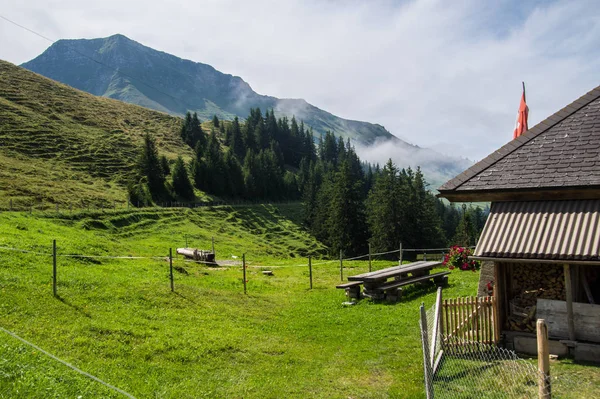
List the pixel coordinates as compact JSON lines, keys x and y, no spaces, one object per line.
{"x":560,"y":230}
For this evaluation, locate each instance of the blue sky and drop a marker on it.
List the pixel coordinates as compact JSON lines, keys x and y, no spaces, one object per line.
{"x":440,"y":74}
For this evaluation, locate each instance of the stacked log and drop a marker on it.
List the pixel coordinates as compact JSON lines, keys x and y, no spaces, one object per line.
{"x":529,"y":282}
{"x":197,"y":254}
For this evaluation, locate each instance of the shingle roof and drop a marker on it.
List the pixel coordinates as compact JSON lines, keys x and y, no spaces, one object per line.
{"x":561,"y":151}
{"x":552,"y":230}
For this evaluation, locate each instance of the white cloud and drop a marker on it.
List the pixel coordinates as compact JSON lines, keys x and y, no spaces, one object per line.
{"x":441,"y":74}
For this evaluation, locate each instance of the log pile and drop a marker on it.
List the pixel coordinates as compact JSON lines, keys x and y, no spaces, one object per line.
{"x":197,"y":254}
{"x":530,"y":282}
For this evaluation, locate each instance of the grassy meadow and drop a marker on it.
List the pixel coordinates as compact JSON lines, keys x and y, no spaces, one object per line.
{"x":118,"y":320}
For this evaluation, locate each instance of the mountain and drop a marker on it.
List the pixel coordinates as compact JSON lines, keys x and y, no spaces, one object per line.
{"x":123,"y":69}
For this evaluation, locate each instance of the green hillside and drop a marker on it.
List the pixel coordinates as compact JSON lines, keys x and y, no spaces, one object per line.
{"x":66,"y":146}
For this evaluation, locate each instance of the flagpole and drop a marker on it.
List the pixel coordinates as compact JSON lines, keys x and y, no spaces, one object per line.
{"x":524,"y":91}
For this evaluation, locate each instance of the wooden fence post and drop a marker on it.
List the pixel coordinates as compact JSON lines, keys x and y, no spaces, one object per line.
{"x":11,"y":205}
{"x":426,"y":354}
{"x":341,"y":266}
{"x":310,"y":270}
{"x":213,"y":246}
{"x":244,"y":273}
{"x":171,"y":268}
{"x":545,"y":391}
{"x":54,"y":267}
{"x":369,"y":258}
{"x":400,"y":255}
{"x":437,"y":320}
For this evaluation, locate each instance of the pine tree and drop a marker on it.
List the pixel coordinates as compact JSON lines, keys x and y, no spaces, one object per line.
{"x":385,"y":209}
{"x":215,"y":121}
{"x":235,"y":177}
{"x":181,"y":181}
{"x":164,"y":164}
{"x":149,"y":167}
{"x":346,"y":223}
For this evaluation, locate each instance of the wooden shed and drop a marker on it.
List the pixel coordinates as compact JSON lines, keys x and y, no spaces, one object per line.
{"x":543,"y":232}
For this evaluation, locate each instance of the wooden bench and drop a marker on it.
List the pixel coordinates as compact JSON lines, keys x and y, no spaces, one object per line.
{"x":352,"y":289}
{"x":393,"y":290}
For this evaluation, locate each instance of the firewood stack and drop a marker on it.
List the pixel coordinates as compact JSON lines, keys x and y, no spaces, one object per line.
{"x":530,"y":282}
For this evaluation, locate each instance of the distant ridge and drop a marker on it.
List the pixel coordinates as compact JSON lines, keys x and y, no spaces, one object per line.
{"x":157,"y":80}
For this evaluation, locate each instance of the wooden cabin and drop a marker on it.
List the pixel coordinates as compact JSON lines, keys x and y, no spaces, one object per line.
{"x":543,"y":232}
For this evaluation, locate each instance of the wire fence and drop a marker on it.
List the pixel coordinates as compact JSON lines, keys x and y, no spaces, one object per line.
{"x":466,"y":368}
{"x":105,"y":205}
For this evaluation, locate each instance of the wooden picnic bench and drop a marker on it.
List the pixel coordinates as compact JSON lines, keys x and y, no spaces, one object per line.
{"x":377,"y":286}
{"x":352,"y":289}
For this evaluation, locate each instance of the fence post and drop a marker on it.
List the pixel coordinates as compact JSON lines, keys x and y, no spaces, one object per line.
{"x":424,"y":256}
{"x":54,"y":267}
{"x":185,"y":240}
{"x":213,"y":246}
{"x":171,"y":268}
{"x":400,"y":255}
{"x":426,"y":354}
{"x":244,"y":272}
{"x":437,"y":321}
{"x":545,"y":391}
{"x":369,"y":258}
{"x":11,"y":205}
{"x":310,"y":270}
{"x":56,"y":208}
{"x":341,"y":267}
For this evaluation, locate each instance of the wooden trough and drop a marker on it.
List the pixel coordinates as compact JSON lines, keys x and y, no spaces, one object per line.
{"x":197,"y":254}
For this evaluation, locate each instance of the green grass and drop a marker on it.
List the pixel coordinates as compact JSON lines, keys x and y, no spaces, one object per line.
{"x":118,"y":320}
{"x":62,"y":145}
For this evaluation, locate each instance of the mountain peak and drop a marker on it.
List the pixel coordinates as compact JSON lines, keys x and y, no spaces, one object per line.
{"x":121,"y":68}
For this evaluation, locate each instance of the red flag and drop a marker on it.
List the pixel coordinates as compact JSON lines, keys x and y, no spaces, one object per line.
{"x":521,"y":126}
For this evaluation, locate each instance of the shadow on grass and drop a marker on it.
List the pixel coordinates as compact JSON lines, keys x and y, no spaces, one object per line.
{"x":79,"y":309}
{"x":185,"y":297}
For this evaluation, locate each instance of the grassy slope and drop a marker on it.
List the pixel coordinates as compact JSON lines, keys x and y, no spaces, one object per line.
{"x":66,"y":146}
{"x":118,"y":320}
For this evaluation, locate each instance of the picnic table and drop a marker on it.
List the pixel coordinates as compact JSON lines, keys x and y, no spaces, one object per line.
{"x":377,"y":284}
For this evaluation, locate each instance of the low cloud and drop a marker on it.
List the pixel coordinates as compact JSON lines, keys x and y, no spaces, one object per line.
{"x":436,"y":167}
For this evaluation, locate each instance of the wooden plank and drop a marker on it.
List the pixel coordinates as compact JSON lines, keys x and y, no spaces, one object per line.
{"x":408,"y":281}
{"x":350,"y":284}
{"x":586,"y":318}
{"x":395,"y":270}
{"x":495,"y":322}
{"x":436,"y":324}
{"x":477,"y":319}
{"x":569,"y":295}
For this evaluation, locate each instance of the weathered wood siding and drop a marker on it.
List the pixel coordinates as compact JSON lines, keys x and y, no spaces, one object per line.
{"x":587,"y":319}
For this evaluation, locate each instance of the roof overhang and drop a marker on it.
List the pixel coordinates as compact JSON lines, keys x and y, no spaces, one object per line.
{"x":542,"y":231}
{"x":536,"y":261}
{"x":533,"y":194}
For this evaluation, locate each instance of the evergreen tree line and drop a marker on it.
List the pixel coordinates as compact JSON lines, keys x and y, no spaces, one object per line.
{"x":348,"y":204}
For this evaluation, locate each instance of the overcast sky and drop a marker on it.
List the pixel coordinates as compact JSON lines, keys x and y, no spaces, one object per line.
{"x":440,"y":74}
